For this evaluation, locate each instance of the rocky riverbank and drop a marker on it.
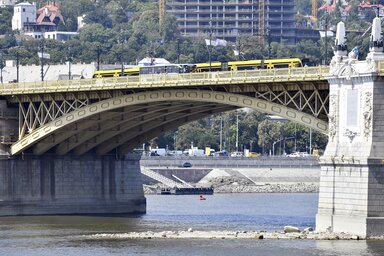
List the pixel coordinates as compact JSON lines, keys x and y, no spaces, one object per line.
{"x":241,"y":185}
{"x":194,"y":234}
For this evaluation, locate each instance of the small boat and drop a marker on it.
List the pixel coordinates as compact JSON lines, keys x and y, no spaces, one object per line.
{"x":201,"y":197}
{"x":185,"y":191}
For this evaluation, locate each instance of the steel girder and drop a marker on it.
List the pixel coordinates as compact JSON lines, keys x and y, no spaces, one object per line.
{"x":43,"y":122}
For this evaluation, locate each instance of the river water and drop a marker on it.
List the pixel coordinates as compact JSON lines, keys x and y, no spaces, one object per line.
{"x":70,"y":235}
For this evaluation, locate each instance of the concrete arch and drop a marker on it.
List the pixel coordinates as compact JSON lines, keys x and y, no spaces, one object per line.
{"x":224,"y":98}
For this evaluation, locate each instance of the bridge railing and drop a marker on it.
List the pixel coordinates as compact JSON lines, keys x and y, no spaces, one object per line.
{"x":169,"y":80}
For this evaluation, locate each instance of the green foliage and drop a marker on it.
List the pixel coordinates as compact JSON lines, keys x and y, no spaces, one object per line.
{"x":5,"y":20}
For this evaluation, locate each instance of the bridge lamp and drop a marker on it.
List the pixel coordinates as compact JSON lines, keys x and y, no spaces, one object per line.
{"x":41,"y":48}
{"x":123,"y":39}
{"x":1,"y":67}
{"x":210,"y":45}
{"x":69,"y":58}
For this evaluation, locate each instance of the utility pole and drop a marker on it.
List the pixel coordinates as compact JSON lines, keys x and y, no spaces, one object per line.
{"x":122,"y":54}
{"x":295,"y":139}
{"x":98,"y":51}
{"x":269,"y":43}
{"x":210,"y":44}
{"x":310,"y":141}
{"x":69,"y":62}
{"x":237,"y":132}
{"x":1,"y":67}
{"x":17,"y":65}
{"x":221,"y":133}
{"x":178,"y":50}
{"x":42,"y":59}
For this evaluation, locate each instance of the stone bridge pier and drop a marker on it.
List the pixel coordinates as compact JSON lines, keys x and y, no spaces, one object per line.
{"x":351,"y":197}
{"x":89,"y":184}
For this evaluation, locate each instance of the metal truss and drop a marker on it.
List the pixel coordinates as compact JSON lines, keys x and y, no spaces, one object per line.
{"x":34,"y":114}
{"x":314,"y":101}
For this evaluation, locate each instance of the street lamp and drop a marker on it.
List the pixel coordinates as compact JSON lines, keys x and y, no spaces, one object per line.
{"x":174,"y":141}
{"x":1,"y":67}
{"x":122,"y":54}
{"x":325,"y":25}
{"x":178,"y":51}
{"x":98,"y":52}
{"x":41,"y":46}
{"x":269,"y":43}
{"x":210,"y":44}
{"x":69,"y":62}
{"x":273,"y":145}
{"x":237,"y":132}
{"x":17,"y":65}
{"x":221,"y":133}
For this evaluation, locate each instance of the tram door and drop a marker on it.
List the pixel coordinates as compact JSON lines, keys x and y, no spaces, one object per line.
{"x":224,"y":66}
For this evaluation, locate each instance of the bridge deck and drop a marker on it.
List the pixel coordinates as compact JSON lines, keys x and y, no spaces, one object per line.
{"x":170,"y":80}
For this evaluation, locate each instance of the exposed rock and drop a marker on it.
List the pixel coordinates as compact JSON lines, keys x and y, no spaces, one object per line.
{"x":291,"y":229}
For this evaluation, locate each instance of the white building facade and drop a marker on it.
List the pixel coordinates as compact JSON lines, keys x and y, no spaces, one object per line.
{"x":23,"y":13}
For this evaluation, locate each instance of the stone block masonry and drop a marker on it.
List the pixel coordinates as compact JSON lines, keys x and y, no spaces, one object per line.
{"x":90,"y":184}
{"x":351,"y":190}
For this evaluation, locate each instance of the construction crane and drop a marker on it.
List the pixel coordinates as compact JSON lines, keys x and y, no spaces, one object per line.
{"x":314,"y":13}
{"x":161,"y":15}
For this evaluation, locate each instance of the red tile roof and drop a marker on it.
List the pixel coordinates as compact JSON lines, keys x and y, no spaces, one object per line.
{"x":49,"y":13}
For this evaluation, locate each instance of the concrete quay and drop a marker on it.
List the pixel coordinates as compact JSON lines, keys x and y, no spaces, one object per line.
{"x":265,"y":175}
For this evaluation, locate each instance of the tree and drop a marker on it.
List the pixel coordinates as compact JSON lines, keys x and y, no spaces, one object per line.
{"x":269,"y":132}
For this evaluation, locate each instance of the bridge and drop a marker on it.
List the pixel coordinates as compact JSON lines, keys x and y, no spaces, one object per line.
{"x":65,"y":144}
{"x":60,"y":114}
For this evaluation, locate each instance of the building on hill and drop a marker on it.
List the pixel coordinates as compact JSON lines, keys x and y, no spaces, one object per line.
{"x":229,"y":19}
{"x":23,"y":13}
{"x":40,"y":23}
{"x":366,"y":8}
{"x":6,"y":3}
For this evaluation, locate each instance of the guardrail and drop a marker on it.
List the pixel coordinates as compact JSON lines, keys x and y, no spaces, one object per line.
{"x":169,"y":80}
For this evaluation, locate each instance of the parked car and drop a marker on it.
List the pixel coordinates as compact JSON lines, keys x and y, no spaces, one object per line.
{"x":299,"y":154}
{"x":237,"y":154}
{"x":186,"y":164}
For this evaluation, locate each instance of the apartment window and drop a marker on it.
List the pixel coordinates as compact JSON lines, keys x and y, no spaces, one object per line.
{"x":23,"y":9}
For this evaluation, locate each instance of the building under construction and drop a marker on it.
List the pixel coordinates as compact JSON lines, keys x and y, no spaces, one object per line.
{"x":270,"y":20}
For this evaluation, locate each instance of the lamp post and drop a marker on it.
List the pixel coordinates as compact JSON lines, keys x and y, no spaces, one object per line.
{"x":210,"y":44}
{"x":269,"y":43}
{"x":221,"y":133}
{"x":273,"y":145}
{"x":17,"y":65}
{"x":98,"y":52}
{"x":237,"y":132}
{"x":325,"y":25}
{"x":69,"y":62}
{"x":122,"y":55}
{"x":42,"y":59}
{"x":178,"y":51}
{"x":1,"y":67}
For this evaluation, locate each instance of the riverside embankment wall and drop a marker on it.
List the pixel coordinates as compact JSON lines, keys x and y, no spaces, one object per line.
{"x":231,"y":162}
{"x":260,"y":170}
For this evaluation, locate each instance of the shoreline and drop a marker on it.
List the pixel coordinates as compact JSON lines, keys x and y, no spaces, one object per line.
{"x":240,"y":180}
{"x":226,"y":234}
{"x":299,"y":187}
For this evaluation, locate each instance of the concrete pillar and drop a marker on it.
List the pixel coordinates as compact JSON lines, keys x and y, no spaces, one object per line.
{"x":71,"y":185}
{"x":351,"y":197}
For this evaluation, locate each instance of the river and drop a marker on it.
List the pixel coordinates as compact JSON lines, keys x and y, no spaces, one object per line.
{"x":70,"y":235}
